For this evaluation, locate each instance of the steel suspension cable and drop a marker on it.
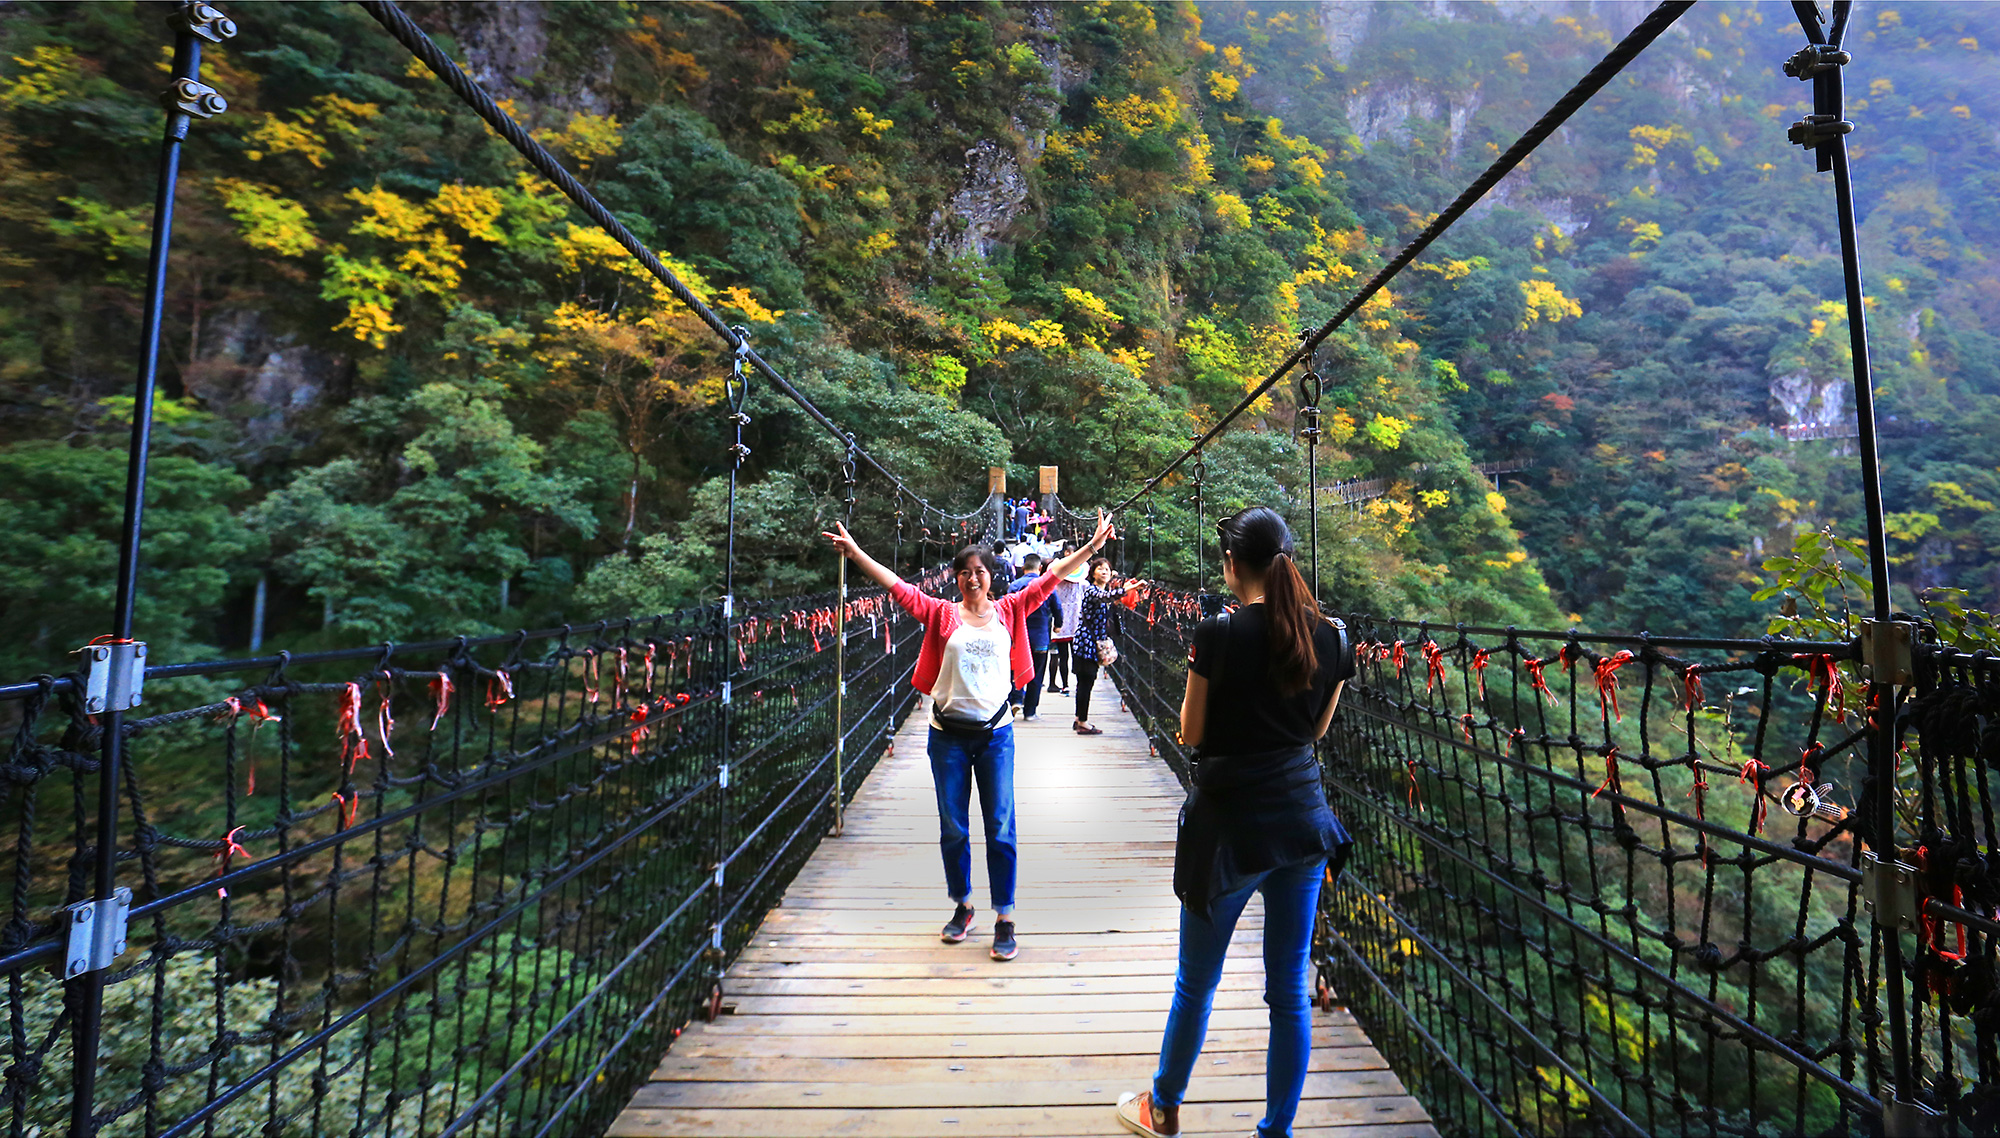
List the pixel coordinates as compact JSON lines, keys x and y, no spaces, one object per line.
{"x":406,"y":32}
{"x":1607,"y":69}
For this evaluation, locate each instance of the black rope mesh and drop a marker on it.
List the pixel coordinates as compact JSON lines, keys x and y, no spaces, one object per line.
{"x":1614,"y":884}
{"x":462,"y":893}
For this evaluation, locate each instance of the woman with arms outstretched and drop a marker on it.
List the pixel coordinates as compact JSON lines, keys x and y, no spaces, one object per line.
{"x":975,"y":653}
{"x":1262,"y":686}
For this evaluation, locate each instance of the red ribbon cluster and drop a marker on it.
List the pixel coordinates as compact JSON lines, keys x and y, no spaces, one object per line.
{"x":1607,"y":681}
{"x":1824,"y":671}
{"x":1433,"y":662}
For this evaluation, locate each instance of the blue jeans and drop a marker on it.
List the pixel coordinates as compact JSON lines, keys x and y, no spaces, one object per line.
{"x":1291,"y":897}
{"x":957,"y":761}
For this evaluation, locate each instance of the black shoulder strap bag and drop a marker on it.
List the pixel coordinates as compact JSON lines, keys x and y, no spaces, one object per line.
{"x":1199,"y":830}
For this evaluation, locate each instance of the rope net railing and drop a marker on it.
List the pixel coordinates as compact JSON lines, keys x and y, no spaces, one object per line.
{"x":1623,"y":884}
{"x":467,"y":890}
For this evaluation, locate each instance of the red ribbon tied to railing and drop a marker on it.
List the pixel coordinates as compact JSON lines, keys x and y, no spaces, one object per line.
{"x":639,"y":728}
{"x":1754,"y":771}
{"x":499,"y":689}
{"x":1823,"y":671}
{"x":1535,"y":666}
{"x":1610,"y":774}
{"x":1607,"y":682}
{"x":1433,"y":664}
{"x":1691,"y":687}
{"x":353,"y":740}
{"x":345,"y":807}
{"x":1930,"y":921}
{"x":441,"y":688}
{"x":1397,"y":655}
{"x":1480,"y":658}
{"x":230,"y":848}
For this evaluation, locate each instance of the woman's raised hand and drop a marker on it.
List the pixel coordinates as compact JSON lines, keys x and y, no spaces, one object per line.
{"x":843,"y":542}
{"x":1104,"y":531}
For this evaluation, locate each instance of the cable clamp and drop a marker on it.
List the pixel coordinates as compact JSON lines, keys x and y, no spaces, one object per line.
{"x":725,"y":693}
{"x":206,"y":21}
{"x":1889,"y":889}
{"x":1818,"y":130}
{"x":1885,"y":651}
{"x":722,"y":777}
{"x":97,"y":933}
{"x":114,"y":676}
{"x":728,"y":606}
{"x":194,"y":98}
{"x":1816,"y":59}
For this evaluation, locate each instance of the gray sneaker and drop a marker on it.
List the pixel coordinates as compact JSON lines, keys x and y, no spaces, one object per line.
{"x":1004,"y":947}
{"x":960,"y":924}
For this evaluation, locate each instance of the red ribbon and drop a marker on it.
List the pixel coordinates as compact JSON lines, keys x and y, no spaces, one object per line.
{"x":1691,"y":687}
{"x":500,"y":688}
{"x":353,"y":740}
{"x":348,"y":807}
{"x":1754,"y":771}
{"x":1610,"y":774}
{"x":1824,"y":670}
{"x":441,"y":689}
{"x":590,"y":680}
{"x":1535,"y":667}
{"x":1397,"y":656}
{"x":639,"y":730}
{"x":1433,"y":664}
{"x":230,"y":848}
{"x":1931,"y":921}
{"x":1607,"y":682}
{"x":1465,"y":723}
{"x":1479,"y":661}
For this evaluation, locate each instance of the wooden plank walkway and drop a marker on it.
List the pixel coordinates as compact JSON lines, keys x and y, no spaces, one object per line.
{"x":850,"y":1016}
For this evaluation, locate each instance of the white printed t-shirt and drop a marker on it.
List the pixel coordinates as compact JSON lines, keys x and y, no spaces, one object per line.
{"x":975,"y":676}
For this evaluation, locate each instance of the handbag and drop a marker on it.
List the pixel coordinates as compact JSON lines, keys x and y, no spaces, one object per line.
{"x":1107,"y":652}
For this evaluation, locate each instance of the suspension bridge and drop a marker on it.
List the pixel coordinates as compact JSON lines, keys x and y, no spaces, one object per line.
{"x":663,"y":874}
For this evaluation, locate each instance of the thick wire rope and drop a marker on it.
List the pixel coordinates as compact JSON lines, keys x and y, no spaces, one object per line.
{"x":1607,"y":69}
{"x":406,"y":32}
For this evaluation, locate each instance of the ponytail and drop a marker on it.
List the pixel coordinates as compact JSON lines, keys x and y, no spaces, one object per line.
{"x":1294,"y":617}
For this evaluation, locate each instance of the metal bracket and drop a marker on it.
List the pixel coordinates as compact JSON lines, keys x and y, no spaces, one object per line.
{"x":1815,"y":59}
{"x":728,"y":606}
{"x":1885,"y":651}
{"x":1818,"y":130}
{"x":1902,"y":1118}
{"x":114,"y":676}
{"x":206,"y":21}
{"x":194,"y":98}
{"x":725,"y":693}
{"x":722,"y":777}
{"x":96,"y":933}
{"x":1889,"y":889}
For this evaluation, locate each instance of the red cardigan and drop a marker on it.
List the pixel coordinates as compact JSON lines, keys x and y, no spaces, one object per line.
{"x":940,"y":619}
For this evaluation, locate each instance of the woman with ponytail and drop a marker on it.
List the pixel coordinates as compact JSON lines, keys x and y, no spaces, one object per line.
{"x":1263,"y":682}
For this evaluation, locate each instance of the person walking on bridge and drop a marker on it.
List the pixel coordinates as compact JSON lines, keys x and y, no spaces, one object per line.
{"x":974,"y":653}
{"x":1262,"y":686}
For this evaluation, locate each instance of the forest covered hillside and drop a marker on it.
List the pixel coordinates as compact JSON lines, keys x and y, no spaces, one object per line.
{"x":1693,"y":258}
{"x":407,"y":384}
{"x":417,"y":393}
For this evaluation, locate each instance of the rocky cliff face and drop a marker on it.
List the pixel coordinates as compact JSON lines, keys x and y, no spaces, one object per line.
{"x":995,"y":187}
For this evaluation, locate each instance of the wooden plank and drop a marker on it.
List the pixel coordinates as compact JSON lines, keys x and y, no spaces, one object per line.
{"x":953,"y":1091}
{"x":1011,"y":984}
{"x":920,"y":1122}
{"x":1007,"y":1003}
{"x":1360,"y":1056}
{"x":1146,"y":1044}
{"x":841,"y":966}
{"x":959,"y":1025}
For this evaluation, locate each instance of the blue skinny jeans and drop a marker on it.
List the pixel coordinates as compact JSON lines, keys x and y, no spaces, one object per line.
{"x":1291,"y":898}
{"x":958,"y":761}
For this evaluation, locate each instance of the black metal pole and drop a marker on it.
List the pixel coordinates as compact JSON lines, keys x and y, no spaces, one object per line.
{"x":1822,"y":63}
{"x":88,"y":989}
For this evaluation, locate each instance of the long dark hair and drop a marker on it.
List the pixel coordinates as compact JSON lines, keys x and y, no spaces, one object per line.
{"x":1261,"y":543}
